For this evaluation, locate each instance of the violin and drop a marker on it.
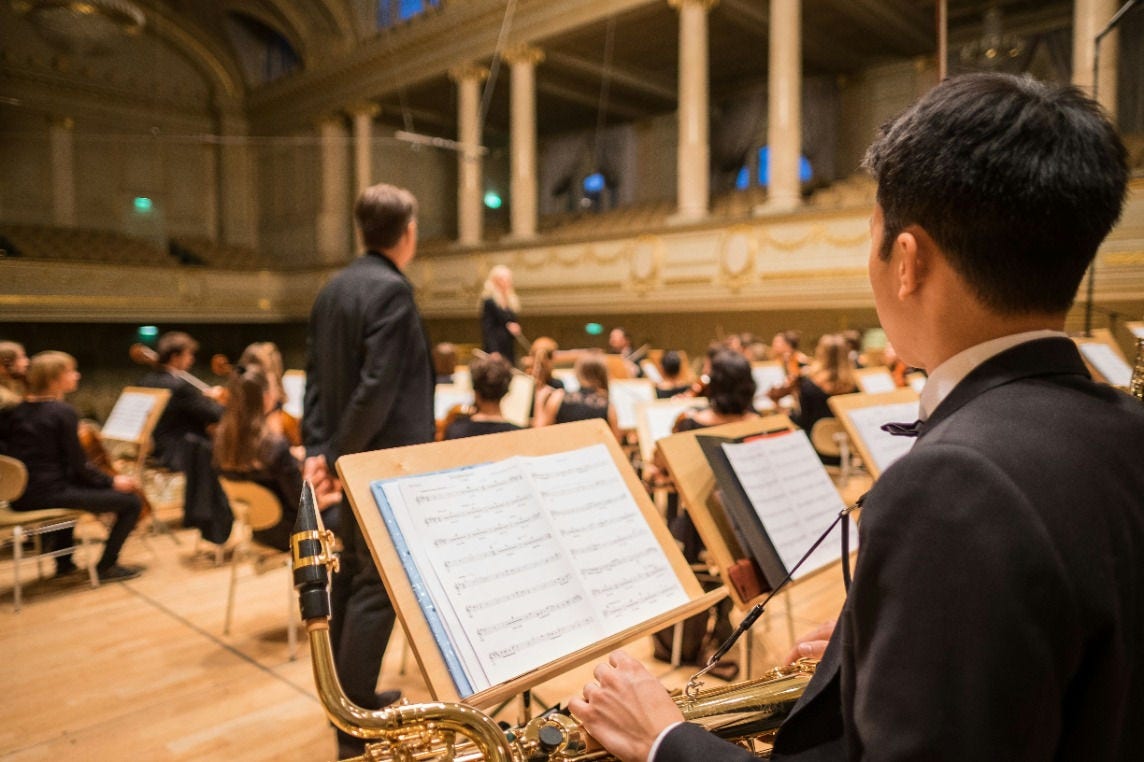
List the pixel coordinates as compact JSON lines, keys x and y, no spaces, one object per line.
{"x":98,"y":456}
{"x":144,"y":355}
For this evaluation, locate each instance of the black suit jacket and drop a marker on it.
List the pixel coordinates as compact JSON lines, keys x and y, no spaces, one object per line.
{"x":369,"y":374}
{"x":188,"y":411}
{"x":997,"y":608}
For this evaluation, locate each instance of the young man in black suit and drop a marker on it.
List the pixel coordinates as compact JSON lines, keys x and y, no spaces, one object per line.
{"x":369,"y":385}
{"x":997,"y":607}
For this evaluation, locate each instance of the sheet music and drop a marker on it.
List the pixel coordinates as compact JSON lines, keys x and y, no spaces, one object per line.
{"x":658,"y":418}
{"x":884,"y":448}
{"x":516,"y":406}
{"x":294,"y":385}
{"x":567,"y":377}
{"x":530,"y":558}
{"x":129,"y":417}
{"x":767,"y":376}
{"x":625,"y":395}
{"x":1107,"y":362}
{"x":651,"y":371}
{"x":448,"y":396}
{"x":791,"y":493}
{"x":873,"y":383}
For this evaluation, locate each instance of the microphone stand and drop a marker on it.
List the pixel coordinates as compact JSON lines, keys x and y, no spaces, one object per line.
{"x":1108,"y":28}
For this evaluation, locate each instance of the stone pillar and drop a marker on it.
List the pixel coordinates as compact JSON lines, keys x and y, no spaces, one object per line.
{"x":332,"y":235}
{"x":1089,"y":18}
{"x":61,"y":136}
{"x":522,"y":59}
{"x":470,"y":211}
{"x":784,"y":106}
{"x":363,"y":114}
{"x":235,"y":204}
{"x":693,"y":152}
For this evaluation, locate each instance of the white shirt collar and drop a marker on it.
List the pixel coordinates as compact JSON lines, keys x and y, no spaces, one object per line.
{"x":951,"y":372}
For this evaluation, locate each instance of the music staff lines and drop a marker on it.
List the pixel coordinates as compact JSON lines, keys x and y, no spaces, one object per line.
{"x":483,"y":555}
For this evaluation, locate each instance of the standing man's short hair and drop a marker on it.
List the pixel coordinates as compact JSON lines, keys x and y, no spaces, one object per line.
{"x":1016,"y":181}
{"x":383,"y":212}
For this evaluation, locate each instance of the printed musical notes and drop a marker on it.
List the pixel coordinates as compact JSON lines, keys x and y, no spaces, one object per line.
{"x":128,"y":419}
{"x":883,"y":448}
{"x":521,"y":561}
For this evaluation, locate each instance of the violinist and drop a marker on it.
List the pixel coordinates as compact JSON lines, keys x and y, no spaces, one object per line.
{"x":42,"y":432}
{"x":193,"y":407}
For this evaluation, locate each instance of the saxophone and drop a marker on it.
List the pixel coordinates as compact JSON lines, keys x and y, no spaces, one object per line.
{"x":1136,"y":385}
{"x":746,"y":713}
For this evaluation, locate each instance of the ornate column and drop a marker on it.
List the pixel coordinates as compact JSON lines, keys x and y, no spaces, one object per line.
{"x":61,"y":137}
{"x":363,"y":114}
{"x":522,"y":59}
{"x":693,"y":152}
{"x":784,"y":106}
{"x":332,"y":234}
{"x":234,"y":204}
{"x":1089,"y":18}
{"x":470,"y":215}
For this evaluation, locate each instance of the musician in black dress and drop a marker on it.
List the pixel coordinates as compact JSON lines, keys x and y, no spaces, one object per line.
{"x":587,"y":402}
{"x":499,"y":309}
{"x":193,"y":407}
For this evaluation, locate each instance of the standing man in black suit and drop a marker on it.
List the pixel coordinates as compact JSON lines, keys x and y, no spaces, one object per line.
{"x":997,"y":607}
{"x":369,"y":385}
{"x":193,"y":407}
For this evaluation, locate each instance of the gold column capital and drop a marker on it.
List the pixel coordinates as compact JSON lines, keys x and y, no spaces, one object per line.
{"x":468,"y":71}
{"x":363,"y":108}
{"x":523,"y":53}
{"x":704,"y":4}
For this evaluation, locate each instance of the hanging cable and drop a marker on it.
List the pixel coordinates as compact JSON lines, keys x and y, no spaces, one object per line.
{"x":494,"y":67}
{"x":605,"y":83}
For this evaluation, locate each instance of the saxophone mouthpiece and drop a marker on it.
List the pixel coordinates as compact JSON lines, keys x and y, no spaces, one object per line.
{"x":310,"y":545}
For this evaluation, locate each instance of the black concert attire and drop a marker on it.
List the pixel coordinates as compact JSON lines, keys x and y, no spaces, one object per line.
{"x":465,"y":426}
{"x":671,"y":391}
{"x":495,"y":336}
{"x":812,"y":408}
{"x":996,"y":608}
{"x":44,"y":436}
{"x":369,"y":386}
{"x":188,"y":411}
{"x":582,"y":405}
{"x":281,"y":475}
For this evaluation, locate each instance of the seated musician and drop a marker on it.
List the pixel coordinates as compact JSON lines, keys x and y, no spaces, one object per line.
{"x":995,"y":610}
{"x":13,"y":366}
{"x":831,"y":373}
{"x":190,"y":410}
{"x":673,"y":382}
{"x":247,"y":447}
{"x":43,"y":433}
{"x":491,"y":377}
{"x":589,"y":401}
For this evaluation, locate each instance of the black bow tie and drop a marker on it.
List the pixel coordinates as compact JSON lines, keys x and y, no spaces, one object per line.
{"x":904,"y":429}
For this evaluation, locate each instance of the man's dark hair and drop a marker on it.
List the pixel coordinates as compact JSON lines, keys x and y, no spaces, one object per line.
{"x":174,"y":343}
{"x":732,"y":387}
{"x":491,"y":376}
{"x":671,"y":363}
{"x":383,"y":212}
{"x":1016,"y":181}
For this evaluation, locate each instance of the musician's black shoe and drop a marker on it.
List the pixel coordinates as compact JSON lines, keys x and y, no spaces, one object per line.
{"x":117,"y":573}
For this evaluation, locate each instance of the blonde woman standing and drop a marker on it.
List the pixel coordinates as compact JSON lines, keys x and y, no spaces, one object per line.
{"x":499,"y":308}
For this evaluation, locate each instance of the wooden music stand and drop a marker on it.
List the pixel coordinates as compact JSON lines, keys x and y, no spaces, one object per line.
{"x":357,"y":473}
{"x":695,"y":483}
{"x":133,"y":419}
{"x":875,"y":454}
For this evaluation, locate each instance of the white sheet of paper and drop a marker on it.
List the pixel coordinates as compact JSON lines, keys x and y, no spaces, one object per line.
{"x":658,"y":418}
{"x":517,"y":404}
{"x":651,"y":371}
{"x":532,"y":558}
{"x":294,"y":385}
{"x":767,"y":377}
{"x":792,"y":495}
{"x":874,"y":383}
{"x":884,"y":448}
{"x":1137,"y":331}
{"x":625,"y":394}
{"x":126,"y":421}
{"x":448,"y":396}
{"x":567,"y":377}
{"x":1107,"y":362}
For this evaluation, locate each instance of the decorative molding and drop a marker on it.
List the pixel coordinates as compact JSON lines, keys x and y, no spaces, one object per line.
{"x":522,"y":53}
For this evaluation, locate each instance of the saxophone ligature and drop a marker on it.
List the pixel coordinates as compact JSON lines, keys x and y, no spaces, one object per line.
{"x":746,"y":713}
{"x":1136,"y":385}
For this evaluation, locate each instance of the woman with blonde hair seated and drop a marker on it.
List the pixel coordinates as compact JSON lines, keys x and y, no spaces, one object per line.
{"x":43,"y":433}
{"x":587,"y":402}
{"x":831,"y":373}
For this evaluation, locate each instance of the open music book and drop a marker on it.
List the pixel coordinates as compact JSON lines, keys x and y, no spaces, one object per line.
{"x":517,"y":562}
{"x":778,"y":498}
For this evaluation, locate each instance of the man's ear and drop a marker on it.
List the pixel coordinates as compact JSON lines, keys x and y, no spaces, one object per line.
{"x":910,"y":248}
